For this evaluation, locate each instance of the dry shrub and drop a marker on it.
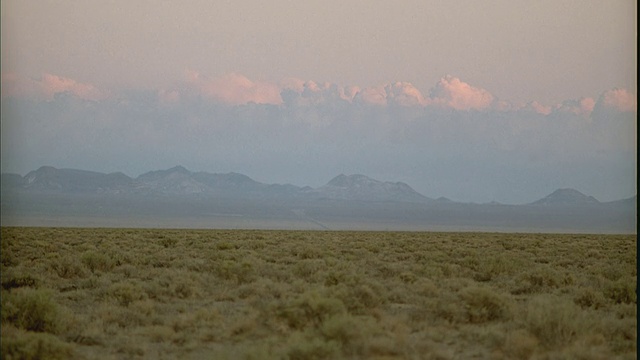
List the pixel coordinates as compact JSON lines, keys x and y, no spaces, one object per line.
{"x":384,"y":347}
{"x":554,"y":321}
{"x":20,"y":344}
{"x":31,"y":309}
{"x":310,"y":308}
{"x":6,"y":256}
{"x":308,"y":267}
{"x":590,"y":298}
{"x":119,"y":257}
{"x":335,"y":277}
{"x":612,"y":272}
{"x":127,"y":270}
{"x":303,"y":347}
{"x":228,"y":294}
{"x":126,"y":292}
{"x":130,"y":348}
{"x":408,"y":277}
{"x":473,"y":305}
{"x":244,"y":326}
{"x":446,"y":307}
{"x":592,"y":347}
{"x":241,"y":273}
{"x":483,"y":304}
{"x":622,"y":291}
{"x":594,"y":254}
{"x":121,"y":317}
{"x":225,"y":245}
{"x":14,"y":280}
{"x":520,"y":345}
{"x":360,"y":296}
{"x":350,"y":332}
{"x":94,"y":282}
{"x":184,"y":290}
{"x":538,"y":280}
{"x":386,"y":270}
{"x":502,"y":264}
{"x":168,"y":242}
{"x":146,"y":308}
{"x":68,"y":268}
{"x":96,"y":261}
{"x":425,"y":287}
{"x":310,"y":252}
{"x":620,"y":328}
{"x":255,"y":351}
{"x":158,"y":333}
{"x":261,"y":291}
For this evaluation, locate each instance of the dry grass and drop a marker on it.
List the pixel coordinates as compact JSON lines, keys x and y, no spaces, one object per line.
{"x":125,"y":293}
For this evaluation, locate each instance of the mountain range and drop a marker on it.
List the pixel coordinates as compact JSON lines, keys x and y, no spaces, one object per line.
{"x":184,"y":198}
{"x":179,"y":181}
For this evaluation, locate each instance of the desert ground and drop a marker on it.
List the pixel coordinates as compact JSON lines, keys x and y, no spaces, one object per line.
{"x":112,"y":293}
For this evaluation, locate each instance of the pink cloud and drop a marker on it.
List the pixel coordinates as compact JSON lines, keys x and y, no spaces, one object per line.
{"x":236,"y":89}
{"x":48,"y":86}
{"x":620,"y":99}
{"x":587,"y":105}
{"x":311,"y":93}
{"x":349,"y":93}
{"x":372,"y":95}
{"x":294,"y":84}
{"x":53,"y":84}
{"x":582,"y":106}
{"x":502,"y":105}
{"x":452,"y":92}
{"x":538,"y":108}
{"x":405,"y":94}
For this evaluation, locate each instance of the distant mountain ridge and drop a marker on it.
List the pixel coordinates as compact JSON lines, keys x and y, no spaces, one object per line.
{"x":363,"y":188}
{"x":566,"y":196}
{"x":48,"y":178}
{"x":179,"y":181}
{"x":177,"y":197}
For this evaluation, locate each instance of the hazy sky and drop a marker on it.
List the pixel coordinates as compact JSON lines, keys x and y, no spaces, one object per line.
{"x":545,"y":50}
{"x":474,"y":100}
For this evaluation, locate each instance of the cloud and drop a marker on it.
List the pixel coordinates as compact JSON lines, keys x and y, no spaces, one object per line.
{"x":619,"y":99}
{"x":53,"y":84}
{"x":349,"y":92}
{"x":537,"y":107}
{"x":235,"y":89}
{"x":583,"y":106}
{"x":399,"y":93}
{"x":450,"y":92}
{"x":454,"y":93}
{"x":307,"y":93}
{"x":294,"y":84}
{"x":48,"y":86}
{"x":404,"y":94}
{"x":372,"y":95}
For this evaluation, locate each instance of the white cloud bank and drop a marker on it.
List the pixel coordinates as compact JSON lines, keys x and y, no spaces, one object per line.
{"x":47,"y":87}
{"x":458,"y":141}
{"x":236,"y":89}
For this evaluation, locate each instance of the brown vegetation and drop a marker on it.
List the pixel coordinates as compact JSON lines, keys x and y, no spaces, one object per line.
{"x":151,"y":293}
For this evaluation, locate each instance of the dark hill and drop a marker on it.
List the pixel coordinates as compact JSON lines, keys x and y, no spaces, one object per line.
{"x":48,"y":178}
{"x":566,"y":197}
{"x":363,"y":188}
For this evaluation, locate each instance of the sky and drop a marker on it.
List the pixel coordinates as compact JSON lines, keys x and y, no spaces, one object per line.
{"x":472,"y":100}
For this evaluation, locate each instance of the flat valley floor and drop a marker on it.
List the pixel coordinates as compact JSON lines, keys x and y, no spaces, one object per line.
{"x":111,"y":293}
